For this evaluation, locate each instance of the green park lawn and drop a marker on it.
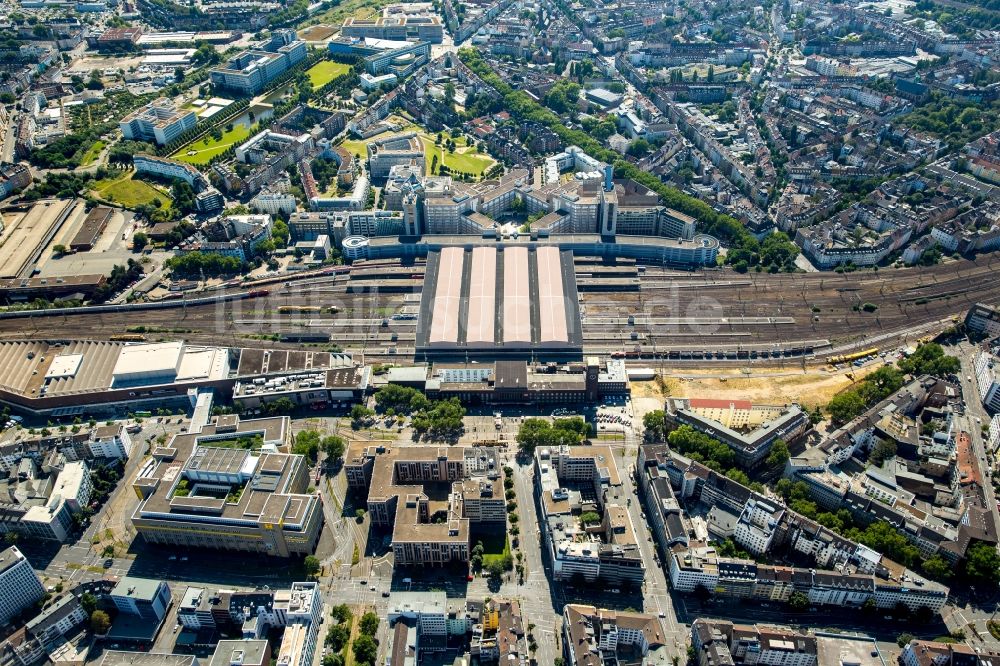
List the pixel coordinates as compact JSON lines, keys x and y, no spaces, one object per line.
{"x":356,"y":147}
{"x":92,"y":153}
{"x":496,"y":546}
{"x":326,"y":71}
{"x":475,"y":163}
{"x":203,"y":150}
{"x":130,"y":193}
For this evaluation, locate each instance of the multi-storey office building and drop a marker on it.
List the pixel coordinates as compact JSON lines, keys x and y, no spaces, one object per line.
{"x":159,"y":122}
{"x":573,"y":480}
{"x":249,"y":72}
{"x":429,"y":497}
{"x":198,"y":494}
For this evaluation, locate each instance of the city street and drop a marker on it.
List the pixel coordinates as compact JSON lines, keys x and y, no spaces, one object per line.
{"x":82,"y":560}
{"x":966,"y":616}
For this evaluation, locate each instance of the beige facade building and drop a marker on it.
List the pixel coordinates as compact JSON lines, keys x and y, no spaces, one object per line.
{"x":429,"y":496}
{"x":229,"y":487}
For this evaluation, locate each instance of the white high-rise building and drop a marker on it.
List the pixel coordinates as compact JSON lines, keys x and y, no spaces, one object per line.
{"x":20,"y":586}
{"x":988,"y":380}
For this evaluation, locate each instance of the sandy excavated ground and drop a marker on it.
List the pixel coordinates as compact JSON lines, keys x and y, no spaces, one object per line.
{"x":810,"y":388}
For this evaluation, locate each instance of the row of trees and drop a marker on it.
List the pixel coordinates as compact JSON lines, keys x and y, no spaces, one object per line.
{"x":205,"y":264}
{"x":854,"y":401}
{"x":121,"y":277}
{"x":982,"y":562}
{"x":929,"y":359}
{"x":338,"y":637}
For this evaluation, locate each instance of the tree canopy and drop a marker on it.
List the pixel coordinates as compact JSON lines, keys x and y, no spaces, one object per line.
{"x":702,"y":448}
{"x":930,"y":359}
{"x":535,"y":432}
{"x":854,"y":401}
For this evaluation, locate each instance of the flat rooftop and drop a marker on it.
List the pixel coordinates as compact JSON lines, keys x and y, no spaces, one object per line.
{"x":858,"y":651}
{"x":260,"y":482}
{"x":459,"y":467}
{"x":119,"y":658}
{"x":276,"y":361}
{"x":26,"y":234}
{"x":37,"y":369}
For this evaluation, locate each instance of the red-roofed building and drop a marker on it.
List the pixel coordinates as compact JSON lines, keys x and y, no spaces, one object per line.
{"x":710,"y":403}
{"x":127,"y":36}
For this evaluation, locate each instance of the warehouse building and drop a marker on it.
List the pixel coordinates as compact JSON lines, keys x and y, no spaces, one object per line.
{"x":507,"y":301}
{"x":90,"y":231}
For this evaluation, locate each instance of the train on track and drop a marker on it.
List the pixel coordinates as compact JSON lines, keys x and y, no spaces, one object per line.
{"x":134,"y":307}
{"x":855,"y":356}
{"x":309,"y":309}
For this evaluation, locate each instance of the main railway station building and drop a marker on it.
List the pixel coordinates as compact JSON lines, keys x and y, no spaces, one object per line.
{"x":499,"y":301}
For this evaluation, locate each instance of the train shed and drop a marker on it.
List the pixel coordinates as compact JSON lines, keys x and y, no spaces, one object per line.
{"x":499,"y":301}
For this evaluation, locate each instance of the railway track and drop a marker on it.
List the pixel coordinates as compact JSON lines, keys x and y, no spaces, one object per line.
{"x":710,"y":307}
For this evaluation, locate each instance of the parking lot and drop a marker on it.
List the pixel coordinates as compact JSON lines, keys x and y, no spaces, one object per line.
{"x":613,"y":417}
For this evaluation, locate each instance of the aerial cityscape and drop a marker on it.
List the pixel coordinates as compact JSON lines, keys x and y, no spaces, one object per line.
{"x":513,"y":332}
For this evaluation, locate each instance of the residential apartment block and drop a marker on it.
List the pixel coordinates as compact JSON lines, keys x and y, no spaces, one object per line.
{"x":20,"y":587}
{"x":719,"y":642}
{"x":168,"y":168}
{"x":13,"y":177}
{"x":931,"y":493}
{"x":847,"y":573}
{"x":421,"y":624}
{"x":49,"y":515}
{"x":143,"y":598}
{"x":593,"y":636}
{"x":748,"y":429}
{"x":988,"y":379}
{"x":983,"y":319}
{"x":932,"y":653}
